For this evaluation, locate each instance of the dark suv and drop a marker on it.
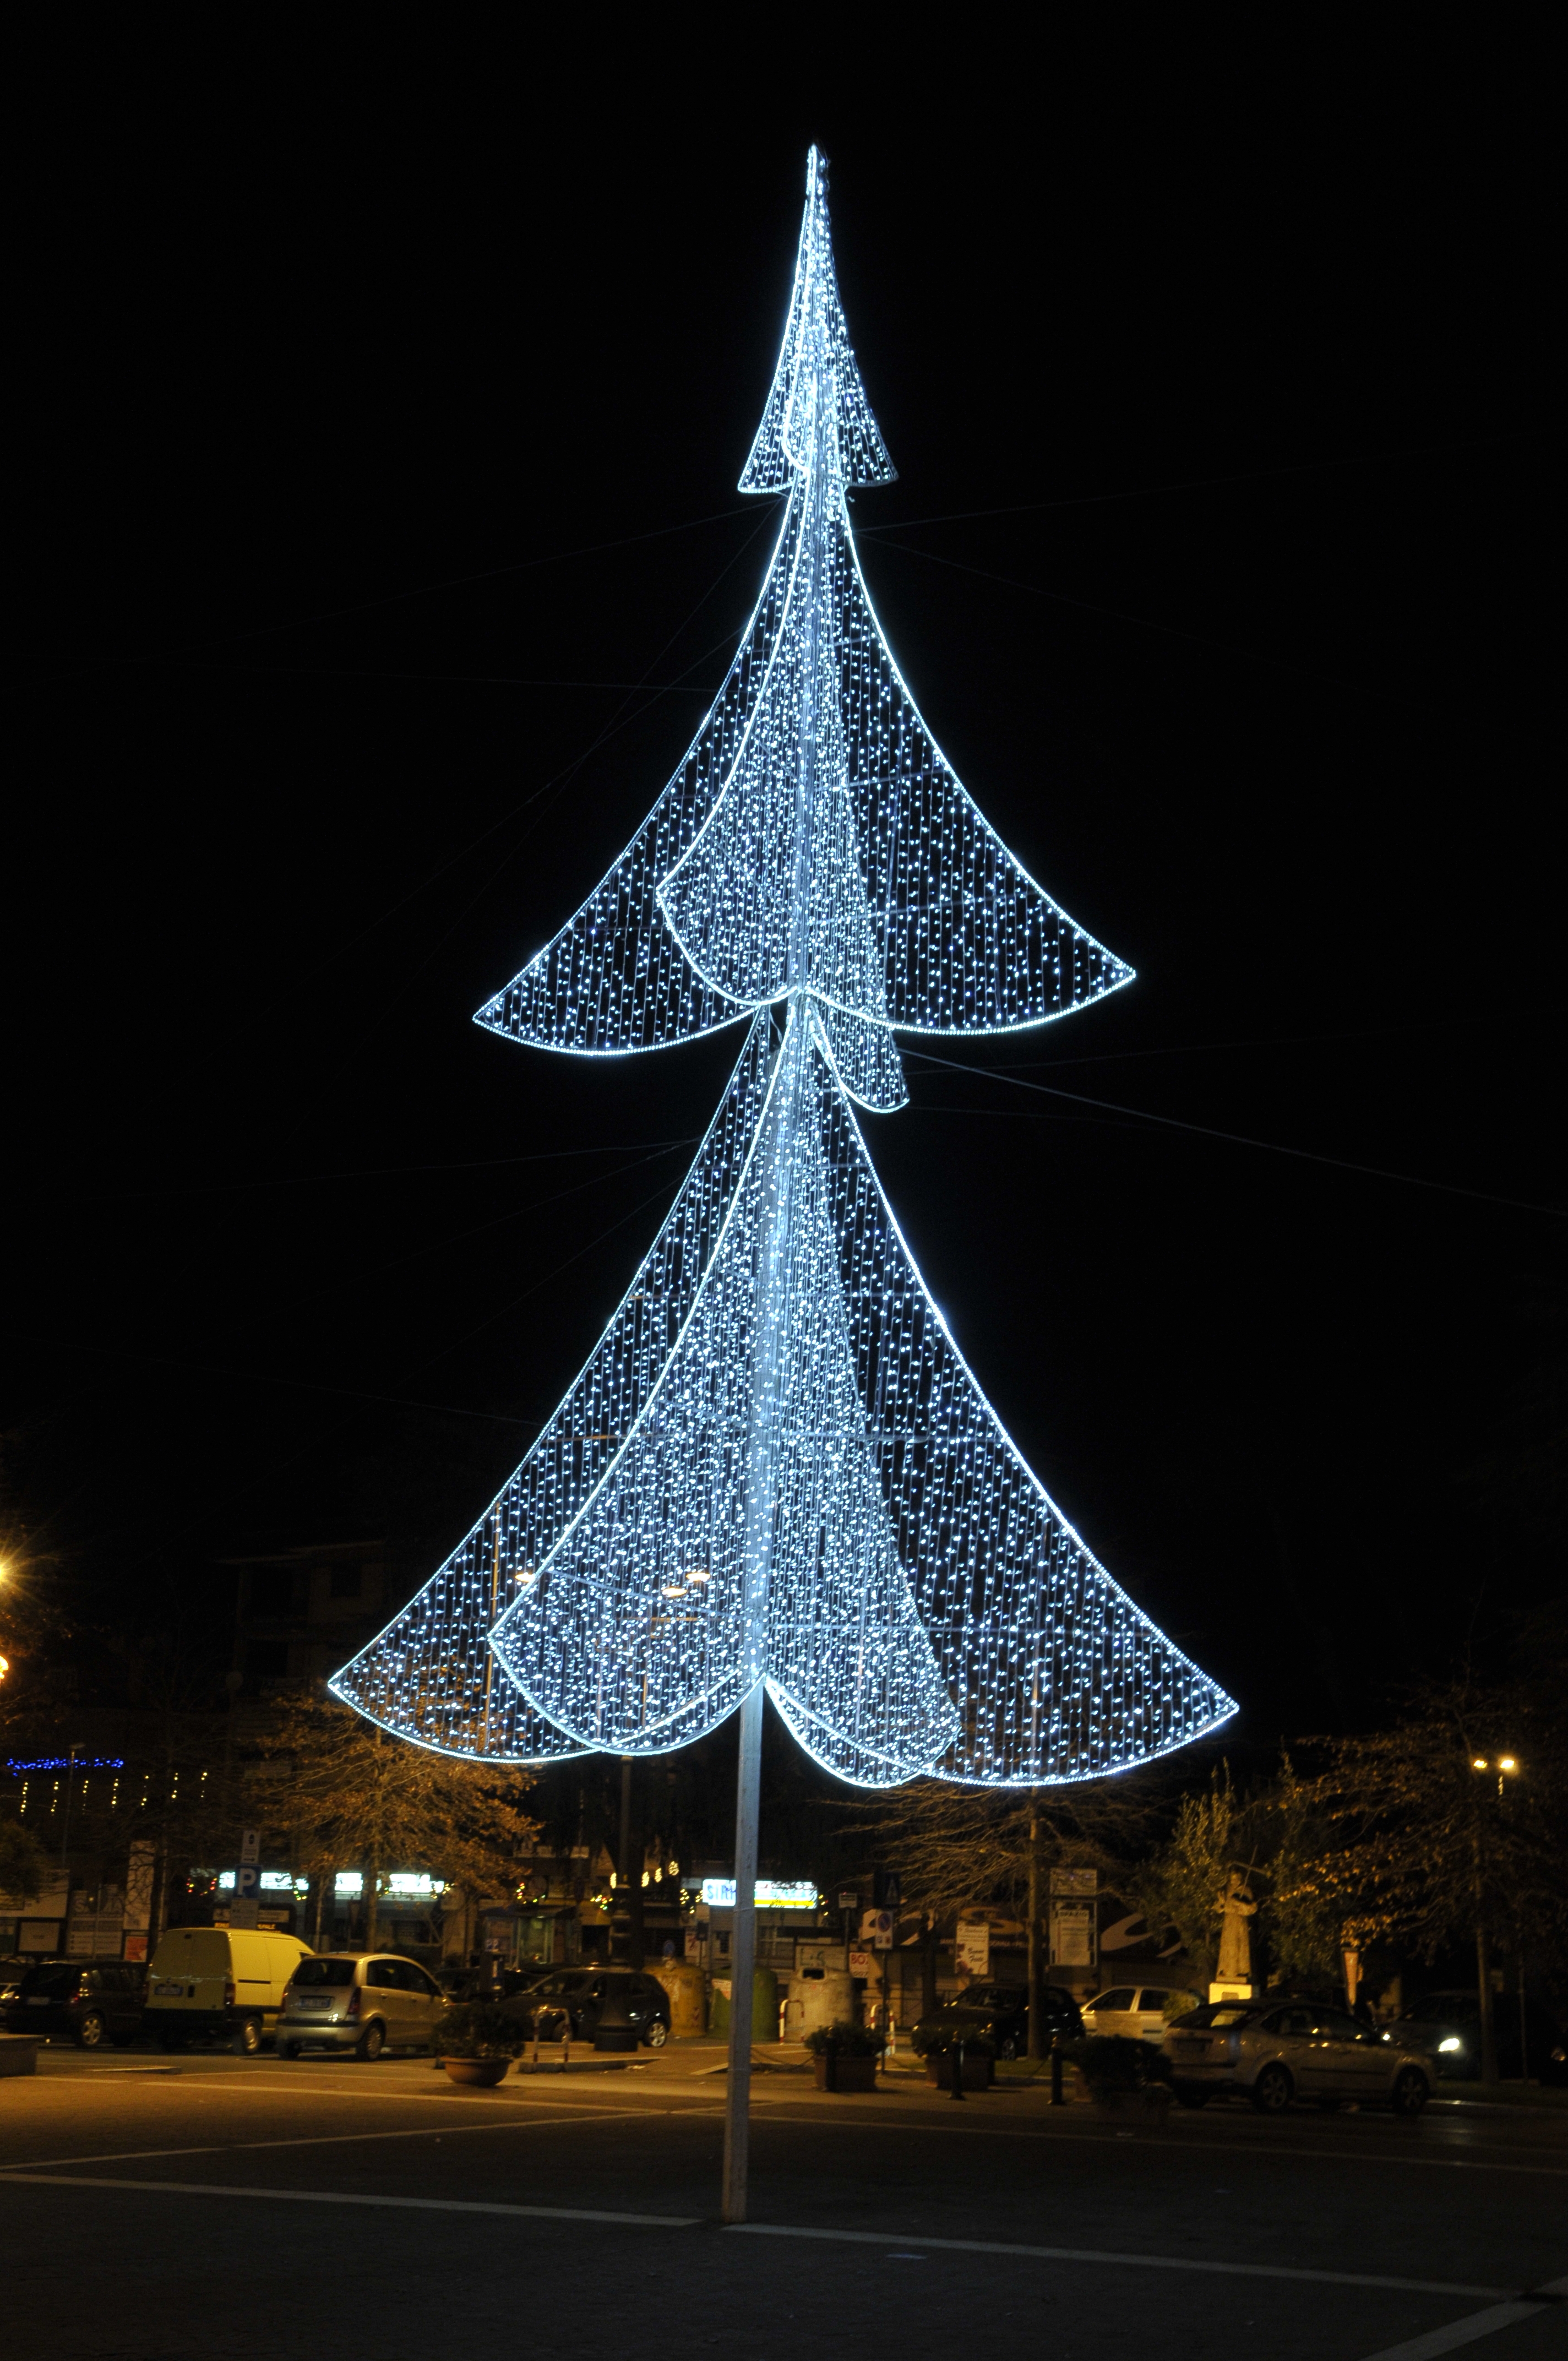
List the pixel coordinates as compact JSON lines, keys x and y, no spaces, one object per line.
{"x":85,"y":2000}
{"x":599,"y":2000}
{"x":999,"y":2013}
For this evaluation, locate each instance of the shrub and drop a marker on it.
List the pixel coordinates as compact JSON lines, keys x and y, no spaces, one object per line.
{"x":476,"y":2028}
{"x":930,"y":2040}
{"x":844,"y":2040}
{"x":1114,"y":2061}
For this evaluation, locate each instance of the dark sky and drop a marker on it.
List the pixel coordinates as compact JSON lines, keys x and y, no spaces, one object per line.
{"x":392,"y":402}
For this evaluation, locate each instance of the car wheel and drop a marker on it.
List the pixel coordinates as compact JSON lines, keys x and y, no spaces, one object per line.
{"x":1008,"y":2049}
{"x":1273,"y":2090}
{"x":1191,"y":2094}
{"x":247,"y":2035}
{"x":1410,"y":2094}
{"x":288,"y":2049}
{"x":90,"y":2031}
{"x":658,"y":2032}
{"x":371,"y":2042}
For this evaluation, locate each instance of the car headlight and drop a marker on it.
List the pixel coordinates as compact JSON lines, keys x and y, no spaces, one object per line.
{"x":1450,"y":2042}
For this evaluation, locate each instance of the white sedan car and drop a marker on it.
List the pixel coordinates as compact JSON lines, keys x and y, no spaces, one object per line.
{"x":1279,"y":2050}
{"x":1141,"y":2011}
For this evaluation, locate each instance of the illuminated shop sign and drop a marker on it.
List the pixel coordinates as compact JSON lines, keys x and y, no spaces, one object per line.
{"x":347,"y":1883}
{"x":718,"y":1893}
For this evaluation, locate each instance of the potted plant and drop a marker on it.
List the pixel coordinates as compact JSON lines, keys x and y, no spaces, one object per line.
{"x":1113,"y":2071}
{"x":476,"y":2041}
{"x":844,"y":2057}
{"x":942,"y":2048}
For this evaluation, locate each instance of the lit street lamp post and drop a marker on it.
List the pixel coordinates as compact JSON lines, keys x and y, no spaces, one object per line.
{"x":1506,"y":1768}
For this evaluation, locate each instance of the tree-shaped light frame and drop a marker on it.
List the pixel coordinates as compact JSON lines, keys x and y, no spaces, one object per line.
{"x":776,"y":1470}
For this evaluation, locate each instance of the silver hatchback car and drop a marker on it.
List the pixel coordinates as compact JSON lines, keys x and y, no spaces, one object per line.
{"x":1279,"y":2050}
{"x":362,"y":2000}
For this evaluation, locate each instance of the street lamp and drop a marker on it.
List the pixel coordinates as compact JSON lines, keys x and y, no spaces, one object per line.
{"x":1507,"y":1767}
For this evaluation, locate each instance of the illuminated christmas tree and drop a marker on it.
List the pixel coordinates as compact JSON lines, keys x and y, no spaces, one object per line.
{"x":776,"y":1468}
{"x":777,"y":1473}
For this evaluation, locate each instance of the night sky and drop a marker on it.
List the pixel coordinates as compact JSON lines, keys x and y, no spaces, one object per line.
{"x":391,"y":410}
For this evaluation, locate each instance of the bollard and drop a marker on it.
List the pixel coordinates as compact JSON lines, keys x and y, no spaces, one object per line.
{"x":1057,"y":2099}
{"x":957,"y":2054}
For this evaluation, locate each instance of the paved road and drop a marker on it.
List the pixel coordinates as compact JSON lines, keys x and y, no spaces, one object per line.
{"x":149,"y":2206}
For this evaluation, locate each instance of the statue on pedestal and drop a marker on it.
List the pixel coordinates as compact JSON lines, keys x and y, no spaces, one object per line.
{"x":1235,"y":1907}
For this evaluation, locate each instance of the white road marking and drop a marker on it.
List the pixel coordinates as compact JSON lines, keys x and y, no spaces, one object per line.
{"x":320,"y":2139}
{"x":1422,"y":2348}
{"x":1116,"y":2261}
{"x":342,"y":2197}
{"x":1471,"y":2330}
{"x":254,"y":2087}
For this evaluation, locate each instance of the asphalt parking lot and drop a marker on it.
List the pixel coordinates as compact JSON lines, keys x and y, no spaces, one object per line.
{"x":148,"y":2205}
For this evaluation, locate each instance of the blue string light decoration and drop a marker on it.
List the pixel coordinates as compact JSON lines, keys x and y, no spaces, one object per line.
{"x":776,"y":1466}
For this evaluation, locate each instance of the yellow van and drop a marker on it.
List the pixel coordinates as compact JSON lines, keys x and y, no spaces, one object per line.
{"x":219,"y":1980}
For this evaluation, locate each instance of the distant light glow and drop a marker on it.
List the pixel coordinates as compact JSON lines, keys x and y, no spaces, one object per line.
{"x":776,"y":1466}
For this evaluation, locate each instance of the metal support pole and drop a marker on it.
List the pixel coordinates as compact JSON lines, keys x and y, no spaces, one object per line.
{"x":1036,"y":2008}
{"x":743,"y":1960}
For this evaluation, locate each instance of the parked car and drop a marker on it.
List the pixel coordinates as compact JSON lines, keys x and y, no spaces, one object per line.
{"x":1447,"y":2026}
{"x":219,"y":1982}
{"x":1140,"y":2011}
{"x":85,"y":2000}
{"x":1277,"y":2051}
{"x":591,"y":1995}
{"x":363,"y":2001}
{"x":999,"y":2013}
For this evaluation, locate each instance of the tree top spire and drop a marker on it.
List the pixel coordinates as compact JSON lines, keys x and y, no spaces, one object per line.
{"x":816,"y":346}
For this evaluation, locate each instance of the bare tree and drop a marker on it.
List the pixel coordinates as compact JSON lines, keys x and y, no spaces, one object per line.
{"x":955,"y":1847}
{"x":1448,"y":1825}
{"x":336,"y":1793}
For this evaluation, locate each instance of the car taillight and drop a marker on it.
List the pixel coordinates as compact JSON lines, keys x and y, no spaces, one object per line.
{"x":351,"y":2007}
{"x":288,"y":1996}
{"x":230,"y":1996}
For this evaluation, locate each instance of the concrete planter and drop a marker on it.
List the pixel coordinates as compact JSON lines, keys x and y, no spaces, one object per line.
{"x":980,"y":2072}
{"x":837,"y":2073}
{"x":18,"y":2054}
{"x":476,"y":2073}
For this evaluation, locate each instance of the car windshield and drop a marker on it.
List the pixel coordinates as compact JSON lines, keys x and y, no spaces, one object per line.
{"x":1444,"y":2008}
{"x":50,"y":1983}
{"x":325,"y":1972}
{"x":1219,"y":2014}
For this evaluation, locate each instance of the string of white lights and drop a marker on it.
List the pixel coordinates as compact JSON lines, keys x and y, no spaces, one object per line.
{"x":776,"y":1466}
